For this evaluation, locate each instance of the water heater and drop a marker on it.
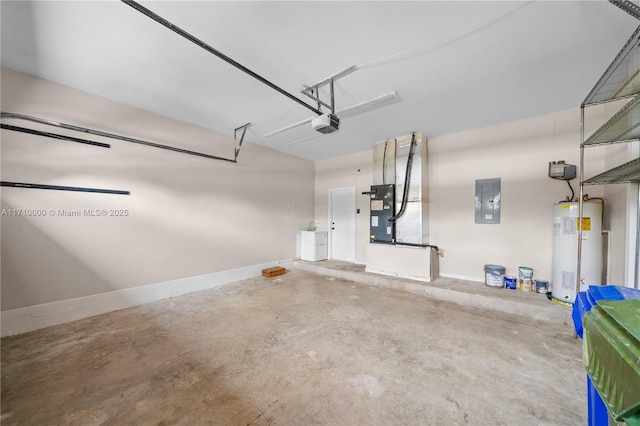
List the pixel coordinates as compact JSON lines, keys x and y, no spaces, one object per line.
{"x":565,"y":248}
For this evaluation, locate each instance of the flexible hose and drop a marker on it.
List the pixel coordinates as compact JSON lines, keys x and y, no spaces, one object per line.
{"x":407,"y":182}
{"x":384,"y":163}
{"x":572,"y":193}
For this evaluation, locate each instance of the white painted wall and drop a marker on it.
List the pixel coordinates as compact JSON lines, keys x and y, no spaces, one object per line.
{"x":518,"y":152}
{"x":621,"y":217}
{"x":348,"y":170}
{"x":615,"y":218}
{"x":187,"y":216}
{"x":191,"y":217}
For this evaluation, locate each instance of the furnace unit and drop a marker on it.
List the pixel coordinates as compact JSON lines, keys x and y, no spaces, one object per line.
{"x":399,"y":206}
{"x":383,"y":201}
{"x":402,"y":162}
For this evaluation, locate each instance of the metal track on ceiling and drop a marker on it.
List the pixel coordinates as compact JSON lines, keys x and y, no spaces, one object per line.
{"x":159,"y":19}
{"x":628,"y":6}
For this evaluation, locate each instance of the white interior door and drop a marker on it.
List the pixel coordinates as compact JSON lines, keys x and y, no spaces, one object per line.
{"x":342,"y":224}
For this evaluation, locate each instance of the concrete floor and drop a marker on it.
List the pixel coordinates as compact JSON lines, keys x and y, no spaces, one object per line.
{"x":298,"y":349}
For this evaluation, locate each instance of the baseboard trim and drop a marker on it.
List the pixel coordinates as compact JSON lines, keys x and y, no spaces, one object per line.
{"x":30,"y":318}
{"x":463,"y":277}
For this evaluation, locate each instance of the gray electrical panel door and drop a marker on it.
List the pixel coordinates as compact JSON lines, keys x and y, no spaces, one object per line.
{"x":488,"y":200}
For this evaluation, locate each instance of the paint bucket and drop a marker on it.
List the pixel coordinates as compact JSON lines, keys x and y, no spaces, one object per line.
{"x":494,"y":275}
{"x":511,"y":283}
{"x":525,"y":278}
{"x":541,"y":286}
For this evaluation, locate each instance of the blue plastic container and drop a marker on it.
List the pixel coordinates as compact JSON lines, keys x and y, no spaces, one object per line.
{"x":598,"y":415}
{"x":511,"y":283}
{"x":585,"y":300}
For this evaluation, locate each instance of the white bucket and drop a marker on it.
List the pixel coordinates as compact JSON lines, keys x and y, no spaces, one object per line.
{"x":525,"y":278}
{"x":494,"y":275}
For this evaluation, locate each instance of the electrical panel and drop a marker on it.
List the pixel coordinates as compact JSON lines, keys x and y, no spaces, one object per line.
{"x":382,"y":209}
{"x":488,"y":200}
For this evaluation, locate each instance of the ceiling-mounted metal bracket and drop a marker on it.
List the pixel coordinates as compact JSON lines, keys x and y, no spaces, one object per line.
{"x":628,"y":6}
{"x":313,"y":91}
{"x":244,"y":128}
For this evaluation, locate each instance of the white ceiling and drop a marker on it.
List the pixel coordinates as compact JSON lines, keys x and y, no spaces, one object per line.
{"x":454,"y":65}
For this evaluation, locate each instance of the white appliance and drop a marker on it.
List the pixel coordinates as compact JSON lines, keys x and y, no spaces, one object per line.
{"x":565,"y":248}
{"x":314,"y":245}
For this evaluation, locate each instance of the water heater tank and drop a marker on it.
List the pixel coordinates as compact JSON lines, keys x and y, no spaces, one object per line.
{"x":565,"y":248}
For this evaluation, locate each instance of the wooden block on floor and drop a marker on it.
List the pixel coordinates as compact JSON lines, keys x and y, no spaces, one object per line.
{"x":272,"y":272}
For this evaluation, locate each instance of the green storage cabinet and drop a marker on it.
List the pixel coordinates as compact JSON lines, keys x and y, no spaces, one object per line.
{"x":611,"y":355}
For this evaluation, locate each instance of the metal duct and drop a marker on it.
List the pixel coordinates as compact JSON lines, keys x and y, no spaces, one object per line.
{"x":389,"y":166}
